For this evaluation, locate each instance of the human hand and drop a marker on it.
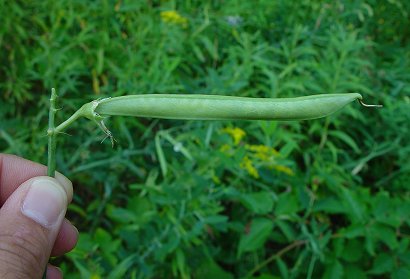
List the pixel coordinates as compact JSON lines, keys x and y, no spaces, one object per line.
{"x":32,"y":223}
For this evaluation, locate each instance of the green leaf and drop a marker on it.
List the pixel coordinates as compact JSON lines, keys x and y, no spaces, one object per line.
{"x":338,"y":246}
{"x":168,"y":246}
{"x":107,"y":245}
{"x":259,"y":203}
{"x":384,"y":263}
{"x":287,"y":204}
{"x":405,"y":257}
{"x":286,"y":229}
{"x":370,"y":243}
{"x":353,"y":251}
{"x":120,"y":215}
{"x":210,"y":269}
{"x":353,"y":271}
{"x":142,"y":209}
{"x":180,"y":261}
{"x":210,"y":47}
{"x":161,"y":156}
{"x":383,"y":208}
{"x":259,"y":231}
{"x":216,"y":219}
{"x":401,"y":273}
{"x":385,"y":234}
{"x":83,"y":269}
{"x":333,"y":271}
{"x":353,"y":231}
{"x":197,"y":51}
{"x":351,"y":201}
{"x":284,"y":272}
{"x":122,"y":268}
{"x":329,"y":205}
{"x":346,"y":139}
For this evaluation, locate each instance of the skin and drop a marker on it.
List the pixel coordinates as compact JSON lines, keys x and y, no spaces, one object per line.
{"x":15,"y":174}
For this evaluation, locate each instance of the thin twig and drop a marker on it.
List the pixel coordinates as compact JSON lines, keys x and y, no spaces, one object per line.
{"x":276,"y":256}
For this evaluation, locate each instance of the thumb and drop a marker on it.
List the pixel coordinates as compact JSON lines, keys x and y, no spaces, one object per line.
{"x":30,"y":220}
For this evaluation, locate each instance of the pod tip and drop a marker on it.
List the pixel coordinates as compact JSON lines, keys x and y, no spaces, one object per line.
{"x":369,"y":106}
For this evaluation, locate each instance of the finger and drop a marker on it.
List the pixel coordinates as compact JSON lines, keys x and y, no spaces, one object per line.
{"x":66,"y":239}
{"x":54,"y":272}
{"x":30,"y":221}
{"x":15,"y":170}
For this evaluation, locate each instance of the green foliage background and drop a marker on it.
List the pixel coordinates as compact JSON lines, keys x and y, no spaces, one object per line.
{"x":327,"y":198}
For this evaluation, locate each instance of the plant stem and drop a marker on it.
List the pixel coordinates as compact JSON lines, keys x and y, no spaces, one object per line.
{"x":51,"y":165}
{"x":68,"y":122}
{"x":279,"y":254}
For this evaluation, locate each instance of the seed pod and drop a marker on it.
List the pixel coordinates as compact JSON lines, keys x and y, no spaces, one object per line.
{"x":212,"y":107}
{"x":215,"y":107}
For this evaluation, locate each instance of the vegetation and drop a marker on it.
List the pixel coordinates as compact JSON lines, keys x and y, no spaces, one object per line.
{"x":326,"y":198}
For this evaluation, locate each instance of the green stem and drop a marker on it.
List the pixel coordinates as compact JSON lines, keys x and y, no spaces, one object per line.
{"x":87,"y":111}
{"x":279,"y":254}
{"x":51,"y":165}
{"x":68,"y":122}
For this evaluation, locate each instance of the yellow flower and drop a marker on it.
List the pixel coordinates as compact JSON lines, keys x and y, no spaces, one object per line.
{"x":283,"y":169}
{"x":174,"y":17}
{"x":249,"y":167}
{"x":95,"y":276}
{"x":262,"y":152}
{"x":236,"y":133}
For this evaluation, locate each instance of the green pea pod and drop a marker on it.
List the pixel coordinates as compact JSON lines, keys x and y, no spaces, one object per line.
{"x":200,"y":107}
{"x":214,"y":107}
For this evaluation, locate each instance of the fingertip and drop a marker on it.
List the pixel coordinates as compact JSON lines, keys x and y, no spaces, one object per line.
{"x":45,"y":201}
{"x":66,"y":239}
{"x":54,"y":272}
{"x":15,"y":170}
{"x":67,"y":185}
